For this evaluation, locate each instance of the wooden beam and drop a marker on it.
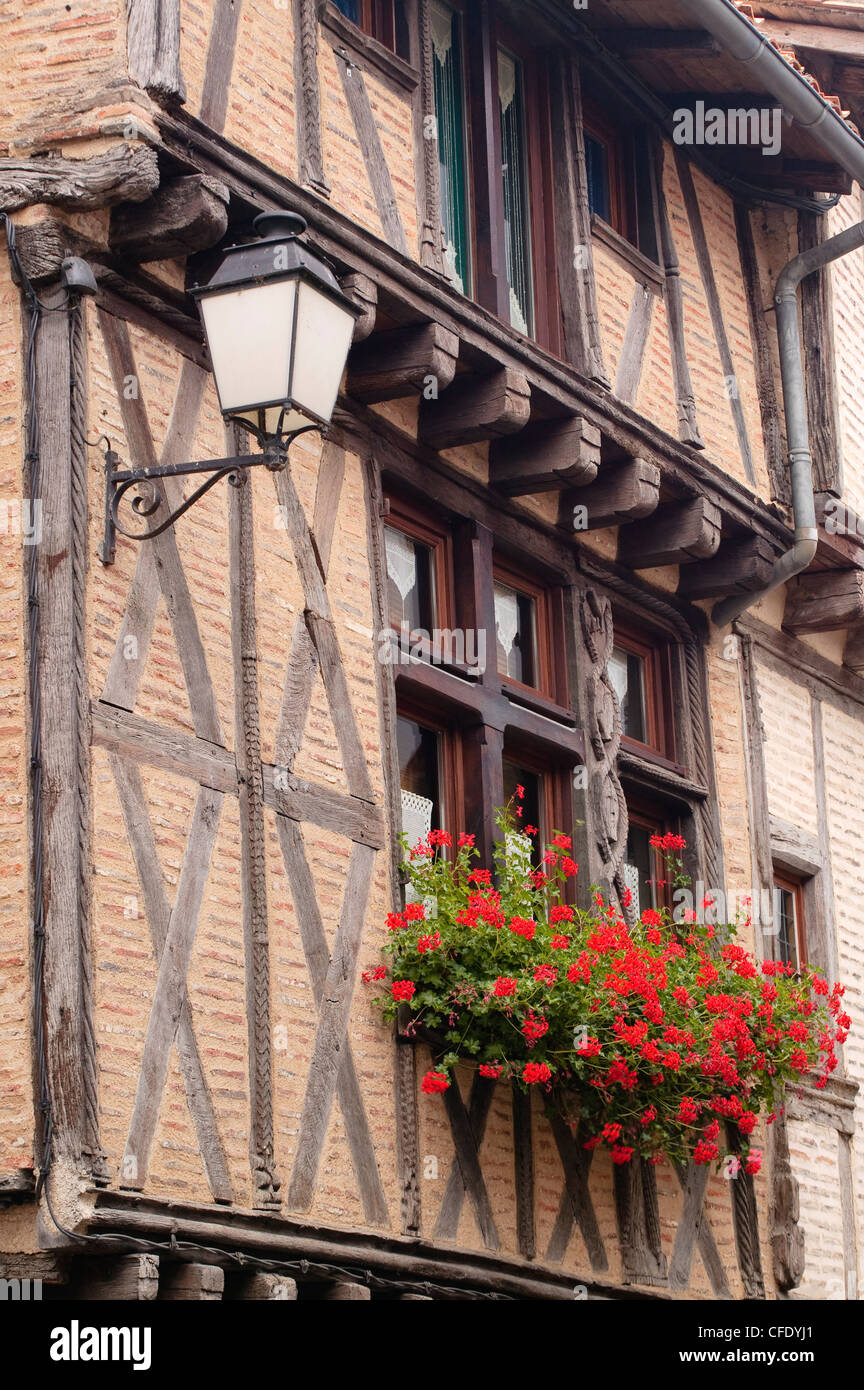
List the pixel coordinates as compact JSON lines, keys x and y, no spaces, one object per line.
{"x":622,"y":492}
{"x":763,"y":359}
{"x":184,"y":215}
{"x":845,"y":43}
{"x":546,"y":455}
{"x":476,"y":409}
{"x":408,"y":361}
{"x":738,"y":567}
{"x":853,"y":653}
{"x":153,"y":47}
{"x":646,"y":43}
{"x":636,"y":333}
{"x":310,"y":155}
{"x":709,"y":283}
{"x":128,"y":1278}
{"x":364,"y":291}
{"x":688,"y":426}
{"x":817,"y":338}
{"x":219,"y":65}
{"x":824,"y":602}
{"x":259,"y":1288}
{"x":192,"y":1283}
{"x":123,"y":173}
{"x":577,"y":287}
{"x":374,"y":158}
{"x":681,"y":533}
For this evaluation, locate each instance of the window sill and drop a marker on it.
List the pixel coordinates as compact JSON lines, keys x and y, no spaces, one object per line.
{"x":368,"y":52}
{"x":644,"y":269}
{"x":652,"y":768}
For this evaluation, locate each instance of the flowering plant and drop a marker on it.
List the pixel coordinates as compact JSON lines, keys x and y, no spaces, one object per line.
{"x":660,"y":1030}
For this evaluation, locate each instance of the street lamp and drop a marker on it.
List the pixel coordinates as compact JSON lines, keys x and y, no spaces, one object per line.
{"x":278,"y":330}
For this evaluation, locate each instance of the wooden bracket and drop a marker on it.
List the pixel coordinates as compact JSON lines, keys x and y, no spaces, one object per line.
{"x":403,"y":362}
{"x":475,"y":409}
{"x":853,"y":655}
{"x":123,"y":173}
{"x":546,"y":455}
{"x":738,"y":567}
{"x":623,"y":492}
{"x":363,"y":290}
{"x":185,"y":215}
{"x":824,"y":602}
{"x":682,"y":533}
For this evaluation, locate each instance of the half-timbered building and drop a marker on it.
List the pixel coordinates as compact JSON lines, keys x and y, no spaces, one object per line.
{"x":559,"y":454}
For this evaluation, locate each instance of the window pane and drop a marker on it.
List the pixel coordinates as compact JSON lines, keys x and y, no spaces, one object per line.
{"x":514,"y":169}
{"x":515,"y":776}
{"x":787,"y":926}
{"x":447,"y":73}
{"x":597,"y":170}
{"x":638,"y":868}
{"x":350,"y":9}
{"x":627,"y":674}
{"x":515,"y":627}
{"x":410,"y":582}
{"x":418,"y":778}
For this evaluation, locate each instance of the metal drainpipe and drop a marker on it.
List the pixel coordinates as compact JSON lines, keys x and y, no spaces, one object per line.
{"x":743,"y":41}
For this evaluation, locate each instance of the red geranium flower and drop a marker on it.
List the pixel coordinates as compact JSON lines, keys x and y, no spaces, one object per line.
{"x":536,"y":1072}
{"x":434,"y":1082}
{"x":504,"y":985}
{"x":404,"y":990}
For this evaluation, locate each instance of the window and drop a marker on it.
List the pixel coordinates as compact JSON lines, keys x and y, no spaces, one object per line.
{"x":618,"y":170}
{"x":790,"y":937}
{"x":526,"y":631}
{"x":643,"y":866}
{"x":448,"y":74}
{"x":418,"y":576}
{"x":640,"y":672}
{"x":514,"y":177}
{"x":384,"y":20}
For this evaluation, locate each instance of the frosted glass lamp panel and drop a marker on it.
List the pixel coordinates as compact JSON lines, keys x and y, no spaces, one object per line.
{"x":324,"y":332}
{"x":249,"y":334}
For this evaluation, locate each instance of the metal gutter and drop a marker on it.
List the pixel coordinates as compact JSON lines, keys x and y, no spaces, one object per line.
{"x":742,"y":41}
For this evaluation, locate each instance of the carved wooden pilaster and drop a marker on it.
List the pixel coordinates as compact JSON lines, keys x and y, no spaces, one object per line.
{"x":308,"y":97}
{"x":607,"y":809}
{"x":432,"y":232}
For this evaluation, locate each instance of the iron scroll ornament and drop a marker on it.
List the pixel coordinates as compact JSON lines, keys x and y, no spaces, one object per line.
{"x":120,"y":481}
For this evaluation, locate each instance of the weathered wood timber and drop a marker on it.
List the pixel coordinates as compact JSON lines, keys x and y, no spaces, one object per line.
{"x":374,"y":158}
{"x":426,"y":160}
{"x":153,"y":47}
{"x":688,"y":426}
{"x":363,"y":290}
{"x":638,"y":1219}
{"x":184,"y":215}
{"x":817,"y":340}
{"x":122,"y":173}
{"x":315,"y":950}
{"x":219,"y":65}
{"x":629,"y":372}
{"x":745,"y":1219}
{"x":170,"y":991}
{"x":247,"y":738}
{"x":575,"y":1206}
{"x":679,"y":534}
{"x":467,"y":1134}
{"x":575,"y":254}
{"x":694,"y":1229}
{"x":824,"y":602}
{"x":191,"y":1282}
{"x":333,"y":1015}
{"x":155,"y":746}
{"x":157,"y":908}
{"x":546,"y":455}
{"x":523,"y":1171}
{"x":621,"y":493}
{"x":259,"y":1288}
{"x":739,"y":566}
{"x":721,"y":337}
{"x":604,"y":832}
{"x":169,"y":566}
{"x":787,"y":1237}
{"x":475,"y":409}
{"x":853,"y":652}
{"x":403,"y":362}
{"x":128,"y":1278}
{"x":763,"y":360}
{"x":310,"y":155}
{"x":466,"y":1178}
{"x":59,"y":573}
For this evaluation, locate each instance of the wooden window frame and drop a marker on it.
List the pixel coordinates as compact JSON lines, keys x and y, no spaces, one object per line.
{"x":782,"y":878}
{"x":378,"y":20}
{"x":549,"y":656}
{"x":411,"y":520}
{"x":658,"y":691}
{"x":653,"y":815}
{"x":451,"y":781}
{"x":622,"y":200}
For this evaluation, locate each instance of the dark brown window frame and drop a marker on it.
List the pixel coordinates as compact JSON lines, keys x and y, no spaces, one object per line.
{"x":655,"y":652}
{"x":783,"y":878}
{"x":548,"y":630}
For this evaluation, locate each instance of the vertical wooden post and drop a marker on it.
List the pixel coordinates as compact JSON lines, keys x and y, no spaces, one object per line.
{"x":153,"y":47}
{"x":483,"y":744}
{"x":688,"y":427}
{"x":57,"y":703}
{"x":491,"y":288}
{"x":310,"y":155}
{"x":818,"y":342}
{"x":248,"y":754}
{"x":426,"y":149}
{"x":576,"y":283}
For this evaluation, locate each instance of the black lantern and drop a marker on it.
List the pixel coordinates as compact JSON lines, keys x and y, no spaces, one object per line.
{"x":278,"y":330}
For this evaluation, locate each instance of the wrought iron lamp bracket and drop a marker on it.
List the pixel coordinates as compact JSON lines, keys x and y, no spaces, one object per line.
{"x":150,"y":496}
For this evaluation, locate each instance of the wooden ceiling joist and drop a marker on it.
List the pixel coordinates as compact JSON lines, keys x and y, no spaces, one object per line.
{"x":824,"y":602}
{"x":738,"y":567}
{"x":681,"y":533}
{"x":475,"y":409}
{"x":622,"y":492}
{"x":403,"y":362}
{"x":546,"y":455}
